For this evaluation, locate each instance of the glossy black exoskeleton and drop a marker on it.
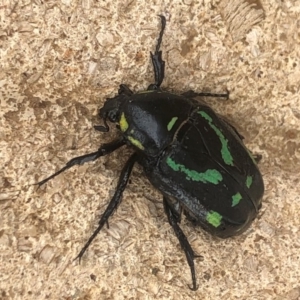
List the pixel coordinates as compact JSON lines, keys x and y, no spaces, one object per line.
{"x":195,"y":158}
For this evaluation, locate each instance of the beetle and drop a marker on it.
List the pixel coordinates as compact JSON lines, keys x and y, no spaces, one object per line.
{"x":193,"y":156}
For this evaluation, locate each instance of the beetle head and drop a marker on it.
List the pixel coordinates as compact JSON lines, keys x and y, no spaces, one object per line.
{"x":110,"y":111}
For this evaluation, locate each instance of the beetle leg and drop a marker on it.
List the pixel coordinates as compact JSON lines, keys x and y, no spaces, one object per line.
{"x":158,"y":63}
{"x":176,"y":208}
{"x":192,"y":94}
{"x":124,"y":89}
{"x":114,"y":202}
{"x":184,"y":243}
{"x":80,"y":160}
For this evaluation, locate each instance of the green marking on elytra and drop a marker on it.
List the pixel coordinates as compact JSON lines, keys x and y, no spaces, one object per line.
{"x":214,"y":218}
{"x":236,"y":199}
{"x":249,"y":181}
{"x":226,"y":155}
{"x":209,"y":176}
{"x":171,"y":123}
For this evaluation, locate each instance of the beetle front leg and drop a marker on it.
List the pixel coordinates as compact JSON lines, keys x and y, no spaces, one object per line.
{"x":185,"y":245}
{"x":114,"y":202}
{"x":80,"y":160}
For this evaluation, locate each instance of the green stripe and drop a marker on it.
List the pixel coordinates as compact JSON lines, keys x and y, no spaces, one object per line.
{"x":226,"y":155}
{"x":210,"y":175}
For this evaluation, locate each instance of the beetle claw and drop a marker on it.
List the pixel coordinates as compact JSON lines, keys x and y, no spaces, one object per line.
{"x":194,"y":287}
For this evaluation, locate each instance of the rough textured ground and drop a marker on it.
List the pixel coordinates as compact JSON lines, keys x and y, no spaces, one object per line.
{"x":59,"y":60}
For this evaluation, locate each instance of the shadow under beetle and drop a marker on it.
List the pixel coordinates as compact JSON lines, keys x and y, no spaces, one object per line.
{"x":195,"y":158}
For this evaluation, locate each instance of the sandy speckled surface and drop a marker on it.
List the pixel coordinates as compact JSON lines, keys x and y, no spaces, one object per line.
{"x":59,"y":60}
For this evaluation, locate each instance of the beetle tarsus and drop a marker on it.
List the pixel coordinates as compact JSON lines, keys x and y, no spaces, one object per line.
{"x":114,"y":202}
{"x":163,"y":26}
{"x":80,"y":160}
{"x":157,"y":61}
{"x":184,"y":243}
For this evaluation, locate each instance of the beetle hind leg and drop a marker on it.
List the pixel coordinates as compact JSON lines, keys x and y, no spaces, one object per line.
{"x":173,"y":219}
{"x":114,"y":202}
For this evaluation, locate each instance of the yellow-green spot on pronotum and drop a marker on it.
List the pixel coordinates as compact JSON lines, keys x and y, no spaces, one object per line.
{"x":236,"y":199}
{"x":171,"y":123}
{"x":214,"y":218}
{"x":249,"y":181}
{"x":123,"y":123}
{"x":225,"y":152}
{"x":136,"y":143}
{"x":209,"y":176}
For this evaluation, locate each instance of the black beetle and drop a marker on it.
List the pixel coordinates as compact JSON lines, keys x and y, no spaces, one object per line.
{"x":195,"y":158}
